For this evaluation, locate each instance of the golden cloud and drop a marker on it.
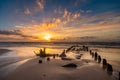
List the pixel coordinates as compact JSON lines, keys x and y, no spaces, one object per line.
{"x":72,"y":24}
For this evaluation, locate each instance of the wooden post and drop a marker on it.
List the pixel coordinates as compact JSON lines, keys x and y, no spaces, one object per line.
{"x":40,"y":61}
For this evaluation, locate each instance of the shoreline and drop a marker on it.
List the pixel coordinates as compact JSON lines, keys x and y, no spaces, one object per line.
{"x":90,"y":44}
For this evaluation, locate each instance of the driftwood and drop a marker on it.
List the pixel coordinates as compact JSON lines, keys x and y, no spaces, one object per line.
{"x":43,"y":54}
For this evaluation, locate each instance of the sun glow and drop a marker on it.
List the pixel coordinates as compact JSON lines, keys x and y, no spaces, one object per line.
{"x":47,"y":37}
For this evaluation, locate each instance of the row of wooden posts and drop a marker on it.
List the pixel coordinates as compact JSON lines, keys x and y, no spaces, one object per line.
{"x":106,"y":66}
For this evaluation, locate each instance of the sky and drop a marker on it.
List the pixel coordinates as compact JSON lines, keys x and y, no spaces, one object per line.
{"x":59,"y":20}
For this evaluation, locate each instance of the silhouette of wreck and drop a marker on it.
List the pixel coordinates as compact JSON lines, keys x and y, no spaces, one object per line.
{"x":42,"y":53}
{"x":63,"y":54}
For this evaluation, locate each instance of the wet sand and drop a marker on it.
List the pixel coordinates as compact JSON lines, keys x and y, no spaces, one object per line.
{"x":2,"y":51}
{"x":87,"y":69}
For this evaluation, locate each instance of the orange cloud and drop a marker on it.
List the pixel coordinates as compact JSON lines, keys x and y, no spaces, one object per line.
{"x":77,"y":15}
{"x":59,"y":27}
{"x":72,"y":25}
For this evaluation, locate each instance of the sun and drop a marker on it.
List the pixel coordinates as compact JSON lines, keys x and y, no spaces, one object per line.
{"x":47,"y":37}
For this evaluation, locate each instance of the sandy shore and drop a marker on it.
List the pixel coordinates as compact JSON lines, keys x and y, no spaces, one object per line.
{"x":51,"y":70}
{"x":2,"y":51}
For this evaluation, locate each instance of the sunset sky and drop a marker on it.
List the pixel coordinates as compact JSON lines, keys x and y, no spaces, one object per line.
{"x":60,"y":20}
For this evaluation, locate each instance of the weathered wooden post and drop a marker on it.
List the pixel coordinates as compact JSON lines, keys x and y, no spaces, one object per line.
{"x":109,"y":69}
{"x":48,"y":59}
{"x":104,"y":63}
{"x":99,"y":59}
{"x":95,"y":58}
{"x":40,"y":61}
{"x":90,"y":52}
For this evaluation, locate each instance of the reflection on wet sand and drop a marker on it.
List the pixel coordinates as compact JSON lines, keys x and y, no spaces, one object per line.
{"x":11,"y":67}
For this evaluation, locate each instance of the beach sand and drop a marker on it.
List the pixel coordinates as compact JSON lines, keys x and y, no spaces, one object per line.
{"x":87,"y":69}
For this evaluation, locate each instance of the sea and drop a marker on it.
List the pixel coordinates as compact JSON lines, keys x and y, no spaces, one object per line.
{"x":20,"y":52}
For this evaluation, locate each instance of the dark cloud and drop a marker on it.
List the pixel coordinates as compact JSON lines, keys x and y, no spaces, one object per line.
{"x":6,"y":32}
{"x":88,"y":37}
{"x":80,"y":39}
{"x":84,"y":37}
{"x":15,"y":32}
